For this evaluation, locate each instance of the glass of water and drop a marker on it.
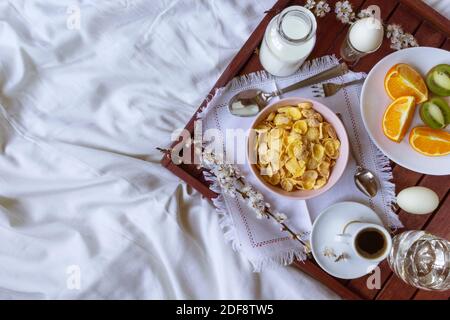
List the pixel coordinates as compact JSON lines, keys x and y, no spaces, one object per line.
{"x":421,"y":259}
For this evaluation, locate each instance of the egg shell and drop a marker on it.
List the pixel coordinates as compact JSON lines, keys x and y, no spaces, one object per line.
{"x":418,"y":200}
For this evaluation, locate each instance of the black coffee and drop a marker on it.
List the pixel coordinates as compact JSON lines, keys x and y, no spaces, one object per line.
{"x":370,"y":243}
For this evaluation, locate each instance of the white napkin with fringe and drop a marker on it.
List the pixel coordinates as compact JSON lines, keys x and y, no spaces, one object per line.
{"x":262,"y":241}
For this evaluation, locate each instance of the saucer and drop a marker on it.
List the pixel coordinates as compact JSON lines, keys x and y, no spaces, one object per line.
{"x":323,"y":235}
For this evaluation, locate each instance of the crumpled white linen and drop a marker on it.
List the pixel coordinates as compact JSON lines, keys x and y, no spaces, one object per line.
{"x":81,"y":187}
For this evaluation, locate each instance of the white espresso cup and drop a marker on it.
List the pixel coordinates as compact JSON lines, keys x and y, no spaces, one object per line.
{"x":369,"y":241}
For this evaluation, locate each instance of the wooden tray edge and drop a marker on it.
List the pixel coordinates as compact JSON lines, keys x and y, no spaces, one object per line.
{"x":429,"y":14}
{"x":331,"y":283}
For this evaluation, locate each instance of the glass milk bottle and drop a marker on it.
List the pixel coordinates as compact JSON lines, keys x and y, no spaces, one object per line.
{"x":289,"y":39}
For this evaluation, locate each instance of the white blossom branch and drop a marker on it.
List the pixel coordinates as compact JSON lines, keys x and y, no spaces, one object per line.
{"x":231,"y":182}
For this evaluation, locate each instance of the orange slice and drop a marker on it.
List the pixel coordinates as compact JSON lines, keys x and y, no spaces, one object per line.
{"x":397,"y":118}
{"x":402,"y":80}
{"x":430,"y":142}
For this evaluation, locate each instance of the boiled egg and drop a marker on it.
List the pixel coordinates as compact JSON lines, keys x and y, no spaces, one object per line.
{"x":418,"y":200}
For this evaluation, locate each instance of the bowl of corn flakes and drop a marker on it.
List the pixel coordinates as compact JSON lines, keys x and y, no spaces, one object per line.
{"x":297,"y":148}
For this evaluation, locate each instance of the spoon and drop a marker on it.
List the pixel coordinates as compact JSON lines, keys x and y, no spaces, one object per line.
{"x":365,"y":180}
{"x":249,"y":103}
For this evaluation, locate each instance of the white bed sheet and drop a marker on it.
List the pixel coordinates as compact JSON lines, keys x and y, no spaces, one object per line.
{"x":81,"y":188}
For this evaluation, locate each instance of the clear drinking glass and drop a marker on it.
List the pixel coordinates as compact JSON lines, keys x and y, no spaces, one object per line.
{"x":421,"y":259}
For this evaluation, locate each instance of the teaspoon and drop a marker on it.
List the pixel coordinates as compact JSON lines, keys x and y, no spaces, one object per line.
{"x":365,"y":180}
{"x":249,"y":103}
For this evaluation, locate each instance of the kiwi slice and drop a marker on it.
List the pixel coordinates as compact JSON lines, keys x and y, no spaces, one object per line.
{"x":435,"y":113}
{"x":438,"y":80}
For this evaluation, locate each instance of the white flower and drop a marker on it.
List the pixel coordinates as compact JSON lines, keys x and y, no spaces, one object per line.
{"x":208,"y":160}
{"x":322,"y":8}
{"x":393,"y":30}
{"x":408,"y":40}
{"x":246,"y":189}
{"x":344,"y":11}
{"x":280,"y":217}
{"x":310,"y":4}
{"x":228,"y":179}
{"x":342,"y":257}
{"x":257,"y":205}
{"x":329,"y":252}
{"x":227,"y":186}
{"x":400,"y":39}
{"x":343,"y":6}
{"x":259,"y":214}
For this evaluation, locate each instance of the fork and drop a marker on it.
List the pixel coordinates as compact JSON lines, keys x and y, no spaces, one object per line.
{"x":329,"y":89}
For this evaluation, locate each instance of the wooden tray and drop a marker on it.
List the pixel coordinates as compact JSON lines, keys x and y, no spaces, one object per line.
{"x":430,"y":29}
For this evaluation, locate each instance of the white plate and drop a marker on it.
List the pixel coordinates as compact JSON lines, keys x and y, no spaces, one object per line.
{"x":374,"y":101}
{"x":323,"y":235}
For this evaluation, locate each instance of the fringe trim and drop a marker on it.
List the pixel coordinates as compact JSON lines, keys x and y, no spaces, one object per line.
{"x":385,"y":178}
{"x":250,"y":79}
{"x":256,"y":78}
{"x":285,"y":259}
{"x":225,"y":221}
{"x":210,"y":98}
